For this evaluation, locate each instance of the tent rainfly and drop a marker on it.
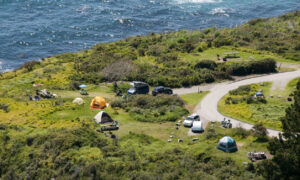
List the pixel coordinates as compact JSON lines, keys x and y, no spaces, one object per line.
{"x":102,"y":117}
{"x":98,"y":103}
{"x":259,"y":94}
{"x":227,"y":144}
{"x":78,"y":101}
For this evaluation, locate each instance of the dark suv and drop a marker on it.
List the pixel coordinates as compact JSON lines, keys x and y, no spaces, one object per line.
{"x":161,"y":90}
{"x":138,"y":88}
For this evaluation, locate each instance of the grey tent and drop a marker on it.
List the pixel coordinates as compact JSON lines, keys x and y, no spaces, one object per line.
{"x":102,"y":117}
{"x":78,"y":101}
{"x":227,"y":144}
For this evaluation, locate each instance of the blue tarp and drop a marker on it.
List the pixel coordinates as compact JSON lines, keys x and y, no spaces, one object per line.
{"x":259,"y":94}
{"x":83,"y":86}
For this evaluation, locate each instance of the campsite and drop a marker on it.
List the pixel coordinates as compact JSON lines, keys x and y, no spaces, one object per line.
{"x":114,"y":111}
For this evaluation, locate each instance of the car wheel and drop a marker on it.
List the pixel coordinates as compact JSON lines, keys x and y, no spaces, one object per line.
{"x":170,"y":92}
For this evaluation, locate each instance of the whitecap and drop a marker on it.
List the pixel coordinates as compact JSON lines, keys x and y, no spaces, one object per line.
{"x":3,"y":67}
{"x":220,"y":11}
{"x":83,"y":9}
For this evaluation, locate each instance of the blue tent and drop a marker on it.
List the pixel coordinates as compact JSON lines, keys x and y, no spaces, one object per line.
{"x":259,"y":94}
{"x":227,"y":144}
{"x":83,"y":86}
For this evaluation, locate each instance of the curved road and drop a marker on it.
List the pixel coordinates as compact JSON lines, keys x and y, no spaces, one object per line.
{"x":208,"y":107}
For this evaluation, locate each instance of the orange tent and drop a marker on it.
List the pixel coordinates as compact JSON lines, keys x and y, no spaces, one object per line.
{"x":98,"y":103}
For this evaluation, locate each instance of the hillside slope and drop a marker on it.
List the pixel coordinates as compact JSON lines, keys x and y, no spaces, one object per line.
{"x":55,"y":138}
{"x":173,"y":59}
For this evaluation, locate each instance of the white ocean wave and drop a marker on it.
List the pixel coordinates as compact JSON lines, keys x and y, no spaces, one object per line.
{"x":220,"y":11}
{"x":83,"y":9}
{"x":198,"y":1}
{"x":3,"y":67}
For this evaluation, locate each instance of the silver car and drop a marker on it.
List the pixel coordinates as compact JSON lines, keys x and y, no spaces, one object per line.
{"x":188,"y":122}
{"x":197,"y":127}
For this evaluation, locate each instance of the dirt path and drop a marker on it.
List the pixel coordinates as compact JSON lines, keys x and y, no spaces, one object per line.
{"x":208,"y":107}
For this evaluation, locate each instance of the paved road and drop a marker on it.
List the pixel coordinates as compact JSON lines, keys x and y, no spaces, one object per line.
{"x":208,"y":107}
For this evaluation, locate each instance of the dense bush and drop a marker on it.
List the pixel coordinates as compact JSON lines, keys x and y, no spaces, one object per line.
{"x":118,"y":70}
{"x":156,"y":58}
{"x":209,"y":64}
{"x":84,"y":154}
{"x":245,"y":94}
{"x":252,"y":67}
{"x":242,"y":90}
{"x":149,"y":108}
{"x":30,"y":65}
{"x":260,"y":132}
{"x":4,"y":107}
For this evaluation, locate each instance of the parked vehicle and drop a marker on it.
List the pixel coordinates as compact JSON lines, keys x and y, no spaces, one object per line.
{"x":188,"y":122}
{"x":197,"y":127}
{"x":253,"y":156}
{"x":138,"y":88}
{"x":84,"y":92}
{"x":226,"y":123}
{"x":45,"y":94}
{"x":161,"y":90}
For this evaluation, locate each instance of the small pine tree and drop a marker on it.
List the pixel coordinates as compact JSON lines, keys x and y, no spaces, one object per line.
{"x":260,"y":132}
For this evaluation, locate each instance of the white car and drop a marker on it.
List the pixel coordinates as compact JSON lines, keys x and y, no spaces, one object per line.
{"x":188,"y":122}
{"x":197,"y":126}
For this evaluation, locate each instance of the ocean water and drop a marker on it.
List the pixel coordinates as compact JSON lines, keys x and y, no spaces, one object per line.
{"x":32,"y":29}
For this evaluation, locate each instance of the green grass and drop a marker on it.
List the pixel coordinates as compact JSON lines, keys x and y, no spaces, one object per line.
{"x":244,"y":55}
{"x":291,"y":86}
{"x":137,"y":141}
{"x":269,"y":114}
{"x":193,"y":99}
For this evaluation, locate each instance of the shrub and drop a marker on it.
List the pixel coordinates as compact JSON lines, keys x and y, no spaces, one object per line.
{"x":239,"y":131}
{"x":242,"y":90}
{"x":4,"y":107}
{"x":167,"y":58}
{"x":260,"y":66}
{"x":235,"y":100}
{"x":209,"y":64}
{"x":30,"y":65}
{"x":53,"y":70}
{"x":148,"y":108}
{"x":211,"y":134}
{"x":260,"y":132}
{"x":261,"y":100}
{"x":75,"y":85}
{"x":118,"y":70}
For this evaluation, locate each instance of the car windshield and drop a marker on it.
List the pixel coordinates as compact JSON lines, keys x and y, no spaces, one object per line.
{"x":189,"y":118}
{"x":132,"y":89}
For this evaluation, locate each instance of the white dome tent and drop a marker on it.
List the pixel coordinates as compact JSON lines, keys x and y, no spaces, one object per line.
{"x":78,"y":101}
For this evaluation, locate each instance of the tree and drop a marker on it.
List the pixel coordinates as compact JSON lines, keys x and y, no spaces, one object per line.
{"x":118,"y":70}
{"x":286,"y":149}
{"x":260,"y":132}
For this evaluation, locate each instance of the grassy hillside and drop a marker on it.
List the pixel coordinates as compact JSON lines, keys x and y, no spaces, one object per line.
{"x":54,"y":138}
{"x":239,"y":104}
{"x":173,"y":59}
